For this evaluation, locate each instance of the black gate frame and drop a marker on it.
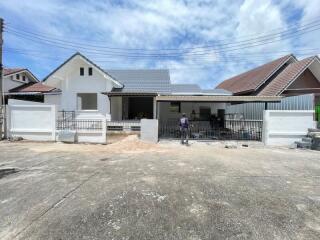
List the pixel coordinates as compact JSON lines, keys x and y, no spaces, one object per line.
{"x":232,"y":130}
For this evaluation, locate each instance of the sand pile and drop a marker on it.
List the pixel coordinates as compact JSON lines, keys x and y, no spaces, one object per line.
{"x":132,"y":143}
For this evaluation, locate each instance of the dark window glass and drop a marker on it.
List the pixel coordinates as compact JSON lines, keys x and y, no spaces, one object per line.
{"x":23,"y":78}
{"x":81,"y":71}
{"x":175,"y":107}
{"x":90,"y":71}
{"x":18,"y":76}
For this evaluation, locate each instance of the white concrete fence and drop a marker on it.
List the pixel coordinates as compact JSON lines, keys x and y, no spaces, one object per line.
{"x":32,"y":122}
{"x":284,"y":127}
{"x":38,"y":122}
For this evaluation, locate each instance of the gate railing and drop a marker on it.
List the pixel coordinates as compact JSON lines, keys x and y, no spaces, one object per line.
{"x":232,"y":130}
{"x":125,"y":125}
{"x":80,"y":124}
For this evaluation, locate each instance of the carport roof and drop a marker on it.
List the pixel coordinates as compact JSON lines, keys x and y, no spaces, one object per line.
{"x":184,"y":98}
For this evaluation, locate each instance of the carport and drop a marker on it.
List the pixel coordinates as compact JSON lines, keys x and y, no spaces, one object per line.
{"x":207,"y":116}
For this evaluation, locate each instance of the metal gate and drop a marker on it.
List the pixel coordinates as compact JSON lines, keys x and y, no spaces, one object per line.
{"x":231,"y":130}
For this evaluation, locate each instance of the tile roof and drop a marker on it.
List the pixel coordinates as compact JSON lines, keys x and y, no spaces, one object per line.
{"x":34,"y":87}
{"x":8,"y":71}
{"x":289,"y":74}
{"x":251,"y":80}
{"x":143,"y":81}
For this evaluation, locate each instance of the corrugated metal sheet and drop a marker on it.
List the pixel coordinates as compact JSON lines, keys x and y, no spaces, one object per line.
{"x":255,"y":110}
{"x":214,"y":98}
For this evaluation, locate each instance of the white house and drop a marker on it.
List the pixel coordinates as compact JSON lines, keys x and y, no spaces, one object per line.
{"x":118,"y":95}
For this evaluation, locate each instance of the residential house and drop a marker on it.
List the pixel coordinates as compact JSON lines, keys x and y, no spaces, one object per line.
{"x":22,"y":84}
{"x":297,"y":81}
{"x":94,"y":92}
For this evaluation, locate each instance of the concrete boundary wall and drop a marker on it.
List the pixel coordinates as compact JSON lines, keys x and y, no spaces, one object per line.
{"x":284,"y":127}
{"x":35,"y":122}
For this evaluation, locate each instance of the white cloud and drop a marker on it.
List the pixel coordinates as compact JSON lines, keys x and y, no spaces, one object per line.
{"x":161,"y":24}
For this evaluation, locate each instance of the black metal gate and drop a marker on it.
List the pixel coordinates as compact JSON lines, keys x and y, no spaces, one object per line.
{"x":231,"y":130}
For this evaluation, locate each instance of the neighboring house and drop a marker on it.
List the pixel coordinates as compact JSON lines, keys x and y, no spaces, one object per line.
{"x":285,"y":76}
{"x":16,"y":77}
{"x":20,"y":83}
{"x":297,"y":81}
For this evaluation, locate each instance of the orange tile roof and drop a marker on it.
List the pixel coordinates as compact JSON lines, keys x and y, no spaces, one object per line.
{"x":289,"y":74}
{"x":34,"y":87}
{"x":8,"y":71}
{"x":249,"y":81}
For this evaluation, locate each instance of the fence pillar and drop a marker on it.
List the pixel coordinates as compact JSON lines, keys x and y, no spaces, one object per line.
{"x":149,"y":130}
{"x":54,"y":122}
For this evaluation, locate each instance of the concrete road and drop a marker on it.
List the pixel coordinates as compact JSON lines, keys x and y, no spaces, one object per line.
{"x":139,"y":191}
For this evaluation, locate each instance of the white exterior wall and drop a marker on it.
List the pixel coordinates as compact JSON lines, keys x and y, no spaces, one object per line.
{"x":68,"y":79}
{"x":53,"y":99}
{"x":187,"y":107}
{"x":281,"y":127}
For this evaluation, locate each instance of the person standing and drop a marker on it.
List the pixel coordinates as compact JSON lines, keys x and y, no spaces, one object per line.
{"x":184,"y":128}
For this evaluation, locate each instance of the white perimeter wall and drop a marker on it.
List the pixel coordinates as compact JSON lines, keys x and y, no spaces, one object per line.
{"x":37,"y":122}
{"x":281,"y":127}
{"x":31,"y":121}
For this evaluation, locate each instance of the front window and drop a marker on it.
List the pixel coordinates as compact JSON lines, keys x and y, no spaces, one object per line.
{"x":87,"y":101}
{"x":81,"y":71}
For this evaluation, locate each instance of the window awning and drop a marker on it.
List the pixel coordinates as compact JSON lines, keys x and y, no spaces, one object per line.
{"x":184,"y":98}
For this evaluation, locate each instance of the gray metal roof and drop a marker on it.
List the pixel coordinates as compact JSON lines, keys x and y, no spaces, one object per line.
{"x":185,"y":88}
{"x":150,"y":81}
{"x":194,"y":89}
{"x":217,"y":91}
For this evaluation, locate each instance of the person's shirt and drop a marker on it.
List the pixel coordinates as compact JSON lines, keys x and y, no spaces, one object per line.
{"x":184,"y":122}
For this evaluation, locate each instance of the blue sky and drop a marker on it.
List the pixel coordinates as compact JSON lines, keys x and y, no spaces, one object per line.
{"x":205,"y":37}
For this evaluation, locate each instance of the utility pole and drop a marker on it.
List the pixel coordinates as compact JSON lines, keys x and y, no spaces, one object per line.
{"x":1,"y":81}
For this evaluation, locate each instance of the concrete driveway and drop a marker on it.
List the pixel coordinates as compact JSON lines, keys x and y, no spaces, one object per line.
{"x":133,"y":190}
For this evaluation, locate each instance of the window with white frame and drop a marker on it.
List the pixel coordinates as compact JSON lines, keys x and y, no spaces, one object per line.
{"x":87,"y":101}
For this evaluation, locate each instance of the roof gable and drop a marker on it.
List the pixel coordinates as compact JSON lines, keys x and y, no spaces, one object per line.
{"x":117,"y":83}
{"x":251,"y":80}
{"x":286,"y":77}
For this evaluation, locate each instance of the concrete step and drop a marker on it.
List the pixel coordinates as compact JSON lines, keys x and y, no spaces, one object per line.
{"x":307,"y":139}
{"x":305,"y":145}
